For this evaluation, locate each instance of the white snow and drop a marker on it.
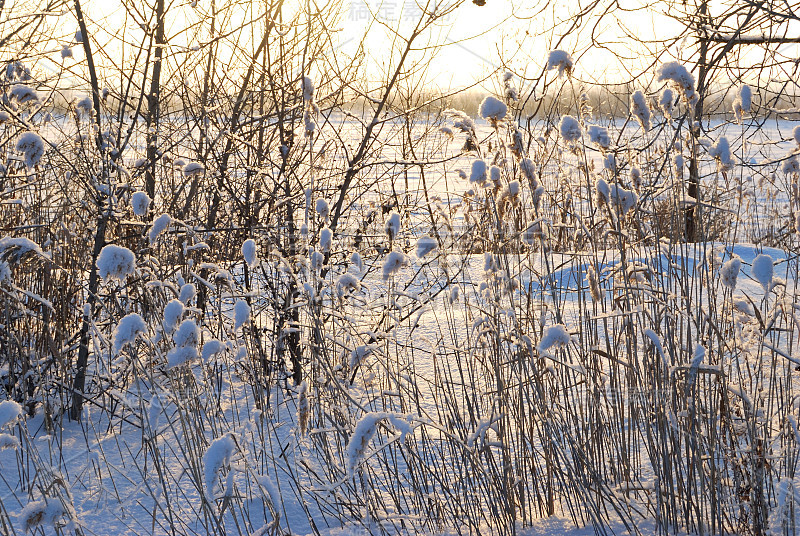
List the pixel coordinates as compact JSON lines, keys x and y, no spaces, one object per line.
{"x":640,"y":110}
{"x":326,"y":239}
{"x":425,"y":245}
{"x":159,"y":225}
{"x":554,"y":336}
{"x":45,"y":512}
{"x":347,"y":284}
{"x":743,"y":102}
{"x":129,"y":327}
{"x":250,"y":252}
{"x":241,"y":314}
{"x":186,"y":339}
{"x":140,"y":202}
{"x":730,"y":271}
{"x":193,"y":169}
{"x":559,"y":59}
{"x":394,"y":262}
{"x":212,"y":348}
{"x":721,"y":152}
{"x":8,"y":441}
{"x":681,"y":79}
{"x":477,"y":173}
{"x":116,"y":262}
{"x":217,"y":456}
{"x":188,"y":292}
{"x":10,"y":411}
{"x":392,"y":227}
{"x":323,"y":209}
{"x":492,"y":109}
{"x":762,"y":270}
{"x":307,"y":87}
{"x":173,"y":313}
{"x":599,"y":135}
{"x":31,"y":145}
{"x":570,"y":129}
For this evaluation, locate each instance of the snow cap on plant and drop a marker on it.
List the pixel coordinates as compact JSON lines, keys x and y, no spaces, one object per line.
{"x":640,"y":110}
{"x":560,"y":60}
{"x":160,"y":224}
{"x":555,"y":336}
{"x":173,"y":313}
{"x":570,"y":129}
{"x":307,"y":87}
{"x":667,"y":102}
{"x":721,"y":152}
{"x":729,"y":272}
{"x":188,"y":291}
{"x":193,"y":169}
{"x":492,"y":109}
{"x":511,"y":93}
{"x":681,"y":79}
{"x":394,"y":261}
{"x":325,"y":239}
{"x":743,"y":102}
{"x":593,"y":282}
{"x":477,"y":174}
{"x":347,"y":284}
{"x":217,"y":456}
{"x":425,"y":245}
{"x":31,"y":145}
{"x":84,"y":105}
{"x":762,"y":270}
{"x":599,"y":135}
{"x":186,"y":338}
{"x":791,"y":165}
{"x":44,"y":512}
{"x":250,"y":252}
{"x":140,"y":202}
{"x":130,"y":326}
{"x":241,"y":314}
{"x":392,"y":227}
{"x":323,"y":209}
{"x":10,"y":411}
{"x":23,"y":95}
{"x":796,"y":135}
{"x":116,"y":262}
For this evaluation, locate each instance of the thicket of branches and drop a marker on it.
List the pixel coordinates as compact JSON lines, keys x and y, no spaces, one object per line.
{"x":315,"y":291}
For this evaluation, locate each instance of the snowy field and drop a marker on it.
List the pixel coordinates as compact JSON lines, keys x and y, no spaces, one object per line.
{"x":382,"y":318}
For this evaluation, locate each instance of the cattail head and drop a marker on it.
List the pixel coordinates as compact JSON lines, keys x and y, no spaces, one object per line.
{"x":743,"y":102}
{"x":31,"y":145}
{"x":303,"y":408}
{"x":392,"y":227}
{"x":478,"y":172}
{"x":640,"y":110}
{"x":730,"y":272}
{"x":570,"y":129}
{"x":593,"y":282}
